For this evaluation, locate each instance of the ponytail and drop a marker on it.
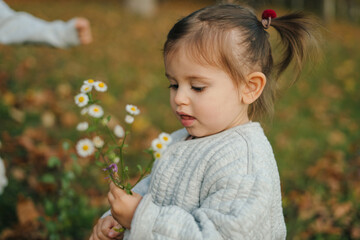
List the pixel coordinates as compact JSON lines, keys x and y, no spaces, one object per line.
{"x":299,"y":37}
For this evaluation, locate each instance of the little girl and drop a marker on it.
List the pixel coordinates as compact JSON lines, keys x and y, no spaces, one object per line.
{"x":218,"y":179}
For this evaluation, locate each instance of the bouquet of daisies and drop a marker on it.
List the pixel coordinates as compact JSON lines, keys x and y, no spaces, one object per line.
{"x":107,"y":145}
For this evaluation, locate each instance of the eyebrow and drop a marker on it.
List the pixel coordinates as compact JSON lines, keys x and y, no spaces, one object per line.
{"x":188,"y":77}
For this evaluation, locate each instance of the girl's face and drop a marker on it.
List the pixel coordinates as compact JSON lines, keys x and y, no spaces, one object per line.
{"x":204,"y":98}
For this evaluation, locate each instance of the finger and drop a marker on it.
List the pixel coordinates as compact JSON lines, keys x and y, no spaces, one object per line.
{"x":112,"y":185}
{"x":111,"y":197}
{"x":99,"y":234}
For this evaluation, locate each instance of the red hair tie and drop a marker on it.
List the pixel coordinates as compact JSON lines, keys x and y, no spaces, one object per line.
{"x":266,"y":17}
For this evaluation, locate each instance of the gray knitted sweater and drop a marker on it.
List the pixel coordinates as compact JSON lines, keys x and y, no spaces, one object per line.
{"x":223,"y":186}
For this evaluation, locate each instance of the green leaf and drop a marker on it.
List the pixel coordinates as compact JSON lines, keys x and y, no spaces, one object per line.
{"x":69,"y":175}
{"x":49,"y":208}
{"x":108,"y":118}
{"x":74,"y":156}
{"x":100,"y":164}
{"x":97,"y":155}
{"x":119,"y":230}
{"x":91,"y":129}
{"x":149,"y":150}
{"x":53,"y":162}
{"x":66,"y":145}
{"x":139,"y":167}
{"x":48,"y":178}
{"x":77,"y":168}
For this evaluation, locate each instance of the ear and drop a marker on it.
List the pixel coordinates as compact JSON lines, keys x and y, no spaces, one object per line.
{"x":252,"y":89}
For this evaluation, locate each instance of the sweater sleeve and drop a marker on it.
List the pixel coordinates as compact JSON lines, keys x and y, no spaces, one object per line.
{"x":236,"y":206}
{"x":21,"y":28}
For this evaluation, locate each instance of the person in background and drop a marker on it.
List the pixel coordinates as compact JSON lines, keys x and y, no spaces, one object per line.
{"x":23,"y":28}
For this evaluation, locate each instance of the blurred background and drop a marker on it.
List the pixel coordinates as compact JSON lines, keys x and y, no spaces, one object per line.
{"x":53,"y":194}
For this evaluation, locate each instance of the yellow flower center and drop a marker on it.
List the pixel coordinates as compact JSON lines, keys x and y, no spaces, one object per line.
{"x":101,"y":85}
{"x":157,"y":155}
{"x":133,"y":109}
{"x":159,"y":145}
{"x":81,"y":99}
{"x":85,"y":147}
{"x":96,"y":109}
{"x":90,"y":81}
{"x":165,"y":139}
{"x":87,"y":88}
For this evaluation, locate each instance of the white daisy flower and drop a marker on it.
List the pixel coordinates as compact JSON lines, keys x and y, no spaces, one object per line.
{"x":132,"y":109}
{"x":116,"y":160}
{"x":129,"y":119}
{"x":98,"y":142}
{"x":157,"y":155}
{"x":89,"y":82}
{"x":96,"y":111}
{"x":81,"y":99}
{"x":157,"y":145}
{"x":165,"y":138}
{"x":119,"y":131}
{"x":82,"y":126}
{"x":86,"y":88}
{"x":84,"y":111}
{"x":85,"y":147}
{"x":3,"y":179}
{"x":100,"y":86}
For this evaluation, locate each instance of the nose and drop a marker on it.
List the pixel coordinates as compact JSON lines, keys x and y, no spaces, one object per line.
{"x":181,"y":97}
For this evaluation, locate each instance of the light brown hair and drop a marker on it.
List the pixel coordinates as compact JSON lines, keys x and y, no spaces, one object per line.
{"x":214,"y":34}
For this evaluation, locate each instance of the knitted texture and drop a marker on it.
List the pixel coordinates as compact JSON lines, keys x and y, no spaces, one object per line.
{"x":224,"y":186}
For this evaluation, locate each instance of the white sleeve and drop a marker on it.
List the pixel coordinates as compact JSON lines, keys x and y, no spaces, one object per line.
{"x":236,"y":207}
{"x":22,"y":28}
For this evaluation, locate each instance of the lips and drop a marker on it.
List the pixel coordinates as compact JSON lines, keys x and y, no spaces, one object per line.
{"x":185,"y":119}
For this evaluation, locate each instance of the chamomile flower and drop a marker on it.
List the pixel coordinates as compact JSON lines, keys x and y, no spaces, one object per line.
{"x":84,"y":111}
{"x":132,"y":109}
{"x":157,"y":145}
{"x":89,"y":82}
{"x":82,"y":126}
{"x":116,"y":160}
{"x":119,"y":131}
{"x":3,"y":179}
{"x":98,"y":142}
{"x":100,"y":86}
{"x":81,"y":99}
{"x":85,"y":147}
{"x":129,"y":119}
{"x":165,"y":138}
{"x":86,"y":88}
{"x":157,"y":155}
{"x":96,"y":111}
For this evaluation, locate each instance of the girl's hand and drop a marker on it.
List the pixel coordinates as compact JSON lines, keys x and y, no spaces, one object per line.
{"x":123,"y":205}
{"x":104,"y":229}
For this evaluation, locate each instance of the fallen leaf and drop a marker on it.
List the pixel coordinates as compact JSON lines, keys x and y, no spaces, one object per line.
{"x":26,"y":212}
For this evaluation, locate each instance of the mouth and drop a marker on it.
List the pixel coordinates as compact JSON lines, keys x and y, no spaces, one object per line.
{"x":185,"y":119}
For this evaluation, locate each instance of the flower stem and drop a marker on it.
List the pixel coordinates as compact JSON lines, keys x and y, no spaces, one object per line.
{"x":146,"y":170}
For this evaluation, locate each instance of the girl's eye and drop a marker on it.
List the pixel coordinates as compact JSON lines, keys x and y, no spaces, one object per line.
{"x":198,"y":89}
{"x":173,"y":86}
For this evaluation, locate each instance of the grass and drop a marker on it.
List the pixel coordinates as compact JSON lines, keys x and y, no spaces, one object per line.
{"x":316,"y":119}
